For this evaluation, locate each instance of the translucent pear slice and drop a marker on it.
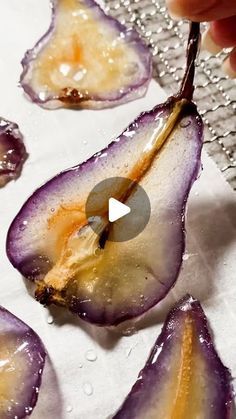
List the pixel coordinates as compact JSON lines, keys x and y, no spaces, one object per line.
{"x":22,"y":357}
{"x":184,"y":377}
{"x":12,"y":151}
{"x":49,"y":240}
{"x":85,"y":60}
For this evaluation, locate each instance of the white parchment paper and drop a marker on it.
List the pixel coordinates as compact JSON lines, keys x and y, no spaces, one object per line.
{"x":73,"y":386}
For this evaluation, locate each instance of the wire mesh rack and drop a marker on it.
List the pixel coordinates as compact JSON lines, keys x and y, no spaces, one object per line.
{"x":215,"y":93}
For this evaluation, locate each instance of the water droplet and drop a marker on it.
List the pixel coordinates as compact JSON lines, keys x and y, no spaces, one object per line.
{"x":79,"y":75}
{"x":50,"y":320}
{"x":185,"y":123}
{"x":28,"y":410}
{"x":129,"y":331}
{"x":137,"y":266}
{"x":131,"y":68}
{"x":109,"y":301}
{"x":94,"y":270}
{"x":42,"y":95}
{"x":185,"y":256}
{"x":97,"y":252}
{"x":224,"y":263}
{"x":52,"y":209}
{"x":23,"y":226}
{"x":88,"y":389}
{"x":85,"y":142}
{"x":80,"y":366}
{"x":196,"y":193}
{"x":68,"y":253}
{"x":69,"y":409}
{"x":91,"y":355}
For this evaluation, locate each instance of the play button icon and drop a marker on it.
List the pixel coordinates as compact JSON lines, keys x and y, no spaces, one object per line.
{"x":117,"y":209}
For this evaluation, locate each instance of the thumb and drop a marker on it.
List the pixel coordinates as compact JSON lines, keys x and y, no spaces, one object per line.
{"x":201,"y":10}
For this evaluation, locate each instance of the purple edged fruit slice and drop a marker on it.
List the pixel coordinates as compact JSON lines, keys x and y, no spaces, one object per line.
{"x":22,"y":357}
{"x":12,"y":151}
{"x":106,"y":282}
{"x":85,"y":60}
{"x":184,"y":377}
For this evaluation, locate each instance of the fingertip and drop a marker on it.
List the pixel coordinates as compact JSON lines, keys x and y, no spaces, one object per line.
{"x":223,"y":32}
{"x":174,"y":16}
{"x":228,"y":68}
{"x":174,"y":11}
{"x":209,"y":44}
{"x":195,"y":10}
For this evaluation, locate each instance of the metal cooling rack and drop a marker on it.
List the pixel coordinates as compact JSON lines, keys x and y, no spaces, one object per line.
{"x":215,"y":94}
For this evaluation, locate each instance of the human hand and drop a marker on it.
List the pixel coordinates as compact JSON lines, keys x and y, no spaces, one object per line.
{"x":222,"y":30}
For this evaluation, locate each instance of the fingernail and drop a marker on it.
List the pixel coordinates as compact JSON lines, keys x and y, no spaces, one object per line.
{"x":227,"y":68}
{"x":171,"y":9}
{"x":174,"y":16}
{"x":209,"y":44}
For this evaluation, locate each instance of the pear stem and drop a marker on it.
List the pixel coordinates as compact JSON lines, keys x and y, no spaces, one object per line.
{"x":187,"y":87}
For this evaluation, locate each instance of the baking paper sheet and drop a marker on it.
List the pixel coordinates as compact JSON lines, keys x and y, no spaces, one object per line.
{"x":73,"y":386}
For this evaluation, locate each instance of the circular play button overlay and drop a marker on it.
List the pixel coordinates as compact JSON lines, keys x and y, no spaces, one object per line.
{"x":117,"y":209}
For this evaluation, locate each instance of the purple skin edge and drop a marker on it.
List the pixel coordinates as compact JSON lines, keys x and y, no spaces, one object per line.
{"x":121,"y":97}
{"x":36,"y":347}
{"x":225,"y":399}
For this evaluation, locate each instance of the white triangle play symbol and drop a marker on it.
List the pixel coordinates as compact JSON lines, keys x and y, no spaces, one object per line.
{"x":117,"y":210}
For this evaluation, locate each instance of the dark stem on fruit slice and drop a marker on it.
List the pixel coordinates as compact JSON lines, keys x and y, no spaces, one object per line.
{"x":187,"y":87}
{"x":104,"y":236}
{"x":73,"y":97}
{"x":44,"y":295}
